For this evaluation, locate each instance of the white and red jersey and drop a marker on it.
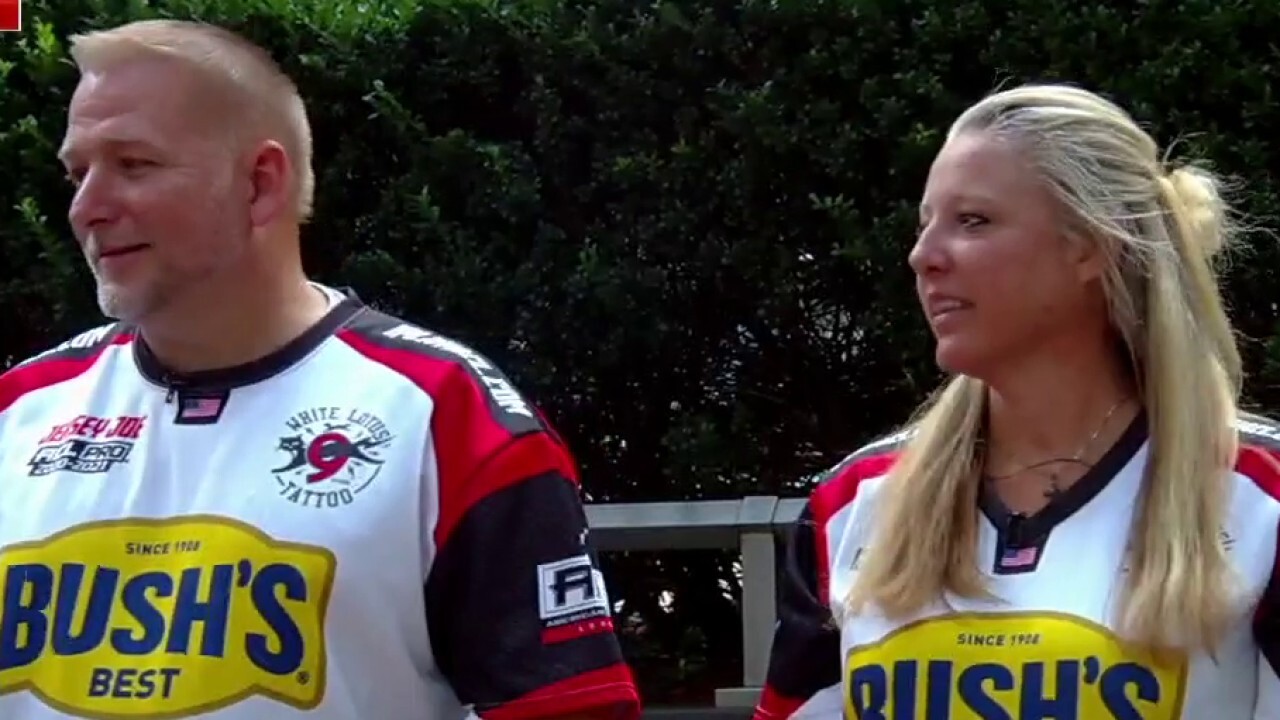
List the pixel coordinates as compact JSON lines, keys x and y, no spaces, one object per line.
{"x":371,"y":524}
{"x":1045,"y":648}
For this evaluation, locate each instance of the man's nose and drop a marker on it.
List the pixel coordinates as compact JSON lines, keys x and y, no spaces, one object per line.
{"x":93,"y":202}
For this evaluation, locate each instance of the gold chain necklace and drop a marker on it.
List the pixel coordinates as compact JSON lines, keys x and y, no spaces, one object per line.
{"x":1076,"y":459}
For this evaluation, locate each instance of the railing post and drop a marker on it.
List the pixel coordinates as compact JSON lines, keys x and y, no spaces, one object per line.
{"x":759,"y":604}
{"x":756,"y":524}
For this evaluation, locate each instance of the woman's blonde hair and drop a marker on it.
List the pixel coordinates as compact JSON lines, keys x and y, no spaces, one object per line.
{"x":1160,"y":230}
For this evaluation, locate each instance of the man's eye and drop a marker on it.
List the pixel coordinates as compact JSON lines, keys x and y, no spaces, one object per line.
{"x":135,"y":163}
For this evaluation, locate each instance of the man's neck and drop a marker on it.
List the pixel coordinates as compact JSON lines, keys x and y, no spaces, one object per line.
{"x":237,"y":328}
{"x":1052,"y":406}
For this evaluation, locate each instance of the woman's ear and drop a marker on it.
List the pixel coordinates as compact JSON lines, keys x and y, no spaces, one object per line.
{"x":1087,"y":254}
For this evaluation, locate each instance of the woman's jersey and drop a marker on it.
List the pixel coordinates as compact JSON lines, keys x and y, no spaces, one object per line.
{"x":1045,"y":649}
{"x":369,"y":524}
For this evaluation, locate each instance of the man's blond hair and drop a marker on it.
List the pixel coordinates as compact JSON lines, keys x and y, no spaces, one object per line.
{"x":265,"y":101}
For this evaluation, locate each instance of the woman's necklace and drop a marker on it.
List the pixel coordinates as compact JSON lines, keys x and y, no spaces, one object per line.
{"x":1055,"y":486}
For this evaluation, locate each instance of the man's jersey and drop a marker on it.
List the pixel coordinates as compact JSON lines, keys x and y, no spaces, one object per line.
{"x":370,"y":523}
{"x":1045,"y":648}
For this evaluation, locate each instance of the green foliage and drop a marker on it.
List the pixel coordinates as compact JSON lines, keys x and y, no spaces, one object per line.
{"x":681,"y":226}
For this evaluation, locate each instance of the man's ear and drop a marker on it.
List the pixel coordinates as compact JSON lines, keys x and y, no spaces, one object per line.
{"x":270,"y":183}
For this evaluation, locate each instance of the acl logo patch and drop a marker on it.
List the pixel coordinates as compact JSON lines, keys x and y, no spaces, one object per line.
{"x":572,"y":600}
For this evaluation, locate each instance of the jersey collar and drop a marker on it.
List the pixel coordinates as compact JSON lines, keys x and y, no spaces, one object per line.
{"x":252,"y":372}
{"x":1079,"y":494}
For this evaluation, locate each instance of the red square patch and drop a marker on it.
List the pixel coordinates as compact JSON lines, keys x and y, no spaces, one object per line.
{"x":10,"y":15}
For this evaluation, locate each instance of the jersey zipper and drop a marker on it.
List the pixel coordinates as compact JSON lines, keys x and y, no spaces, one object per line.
{"x":171,"y":389}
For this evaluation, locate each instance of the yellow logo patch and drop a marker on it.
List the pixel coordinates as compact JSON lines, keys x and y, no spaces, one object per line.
{"x":1008,"y":667}
{"x":163,"y":618}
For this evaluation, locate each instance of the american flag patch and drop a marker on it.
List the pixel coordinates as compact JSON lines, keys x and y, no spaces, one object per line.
{"x":200,"y":408}
{"x":1019,"y":558}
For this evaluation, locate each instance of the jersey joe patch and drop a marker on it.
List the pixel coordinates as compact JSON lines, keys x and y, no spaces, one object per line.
{"x":572,"y":600}
{"x":331,"y":455}
{"x":163,"y":618}
{"x":86,"y":445}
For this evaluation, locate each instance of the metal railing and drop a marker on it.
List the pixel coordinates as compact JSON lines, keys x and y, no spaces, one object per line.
{"x":756,"y":525}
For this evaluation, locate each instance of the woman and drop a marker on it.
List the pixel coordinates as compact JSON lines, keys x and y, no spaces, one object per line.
{"x":1079,"y":524}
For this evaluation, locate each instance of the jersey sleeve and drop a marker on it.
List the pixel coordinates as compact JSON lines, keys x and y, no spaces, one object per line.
{"x":1261,"y":461}
{"x":1266,"y":632}
{"x":520,"y":620}
{"x":59,"y":364}
{"x":804,"y":663}
{"x":520,"y":624}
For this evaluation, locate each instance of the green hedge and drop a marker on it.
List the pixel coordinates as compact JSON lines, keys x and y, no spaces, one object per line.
{"x":681,"y":226}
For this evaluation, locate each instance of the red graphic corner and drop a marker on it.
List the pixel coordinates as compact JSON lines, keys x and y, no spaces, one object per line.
{"x":10,"y":15}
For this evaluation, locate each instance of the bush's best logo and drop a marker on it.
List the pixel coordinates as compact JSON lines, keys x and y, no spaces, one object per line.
{"x":163,"y":618}
{"x":333,"y":455}
{"x":1006,"y":666}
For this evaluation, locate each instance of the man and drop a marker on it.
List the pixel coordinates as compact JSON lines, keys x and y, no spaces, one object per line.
{"x":253,"y":497}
